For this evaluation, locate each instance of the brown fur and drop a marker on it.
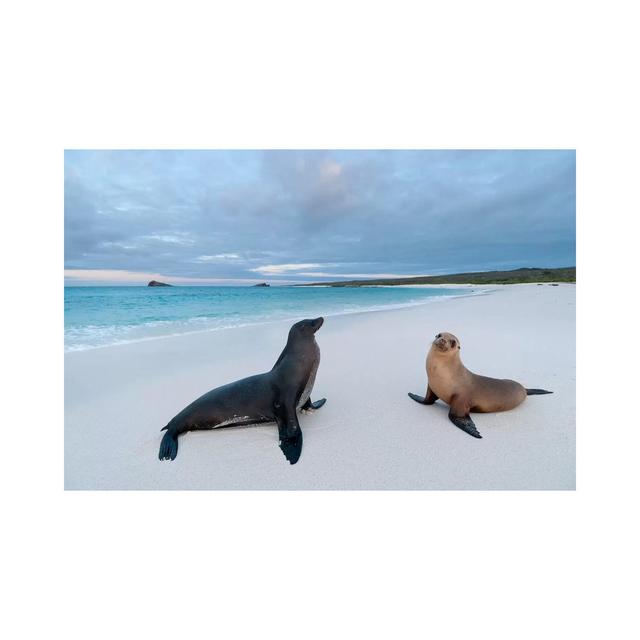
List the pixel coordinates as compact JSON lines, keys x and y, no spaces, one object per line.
{"x":464,"y":391}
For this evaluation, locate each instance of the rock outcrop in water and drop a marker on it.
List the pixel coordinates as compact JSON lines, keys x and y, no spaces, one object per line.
{"x":262,"y":284}
{"x":155,"y":283}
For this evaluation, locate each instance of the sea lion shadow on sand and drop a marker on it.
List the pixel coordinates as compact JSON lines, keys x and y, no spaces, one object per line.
{"x":466,"y":392}
{"x":274,"y":396}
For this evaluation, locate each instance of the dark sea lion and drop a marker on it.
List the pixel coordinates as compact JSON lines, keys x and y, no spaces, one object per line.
{"x":274,"y":396}
{"x":465,"y":392}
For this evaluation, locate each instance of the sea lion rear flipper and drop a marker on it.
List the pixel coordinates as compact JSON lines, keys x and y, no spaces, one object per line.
{"x":465,"y":423}
{"x":429,"y":398}
{"x":308,"y":405}
{"x":289,"y":432}
{"x":168,"y":446}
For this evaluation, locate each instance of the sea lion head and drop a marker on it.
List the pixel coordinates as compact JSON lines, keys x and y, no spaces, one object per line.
{"x":446,"y":343}
{"x":305,"y":328}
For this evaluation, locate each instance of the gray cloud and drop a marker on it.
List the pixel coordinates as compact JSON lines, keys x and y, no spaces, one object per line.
{"x":244,"y":214}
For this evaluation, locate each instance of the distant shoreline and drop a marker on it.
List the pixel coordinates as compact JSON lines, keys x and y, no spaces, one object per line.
{"x":528,"y":275}
{"x":515,"y":276}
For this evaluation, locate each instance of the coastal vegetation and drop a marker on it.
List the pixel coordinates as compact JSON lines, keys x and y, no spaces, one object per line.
{"x":515,"y":276}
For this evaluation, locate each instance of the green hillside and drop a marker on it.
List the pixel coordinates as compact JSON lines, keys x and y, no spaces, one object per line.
{"x":516,"y":276}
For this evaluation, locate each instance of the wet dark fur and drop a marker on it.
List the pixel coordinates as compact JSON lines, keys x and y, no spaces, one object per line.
{"x":267,"y":397}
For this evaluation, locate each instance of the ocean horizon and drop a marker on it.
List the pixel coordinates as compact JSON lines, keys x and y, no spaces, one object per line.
{"x":102,"y":316}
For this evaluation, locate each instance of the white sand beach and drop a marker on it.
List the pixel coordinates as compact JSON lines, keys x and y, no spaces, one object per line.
{"x":369,"y":435}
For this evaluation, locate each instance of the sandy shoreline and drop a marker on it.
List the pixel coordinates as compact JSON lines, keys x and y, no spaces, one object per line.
{"x":369,"y":435}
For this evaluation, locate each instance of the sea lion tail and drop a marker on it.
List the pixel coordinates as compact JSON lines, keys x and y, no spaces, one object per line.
{"x":537,"y":392}
{"x":168,"y":446}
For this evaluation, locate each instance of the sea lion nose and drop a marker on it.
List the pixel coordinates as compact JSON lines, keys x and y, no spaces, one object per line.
{"x":318,"y":322}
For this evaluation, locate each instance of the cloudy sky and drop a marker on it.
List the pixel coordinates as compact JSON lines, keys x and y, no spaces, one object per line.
{"x":233,"y":217}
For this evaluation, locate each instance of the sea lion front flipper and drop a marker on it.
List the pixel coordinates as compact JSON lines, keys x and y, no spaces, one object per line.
{"x":312,"y":406}
{"x":289,"y":432}
{"x":429,"y":398}
{"x":463,"y":421}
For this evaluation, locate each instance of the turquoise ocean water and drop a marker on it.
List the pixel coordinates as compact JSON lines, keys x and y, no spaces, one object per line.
{"x":103,"y":316}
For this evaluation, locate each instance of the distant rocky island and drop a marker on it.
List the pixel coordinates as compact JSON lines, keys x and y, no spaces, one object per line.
{"x":155,"y":283}
{"x":516,"y":276}
{"x":262,"y":284}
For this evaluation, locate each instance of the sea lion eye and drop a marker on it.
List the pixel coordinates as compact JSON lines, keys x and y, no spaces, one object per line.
{"x":438,"y":336}
{"x":453,"y":343}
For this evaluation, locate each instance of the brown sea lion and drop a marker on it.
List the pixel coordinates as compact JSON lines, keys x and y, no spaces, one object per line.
{"x":464,"y":392}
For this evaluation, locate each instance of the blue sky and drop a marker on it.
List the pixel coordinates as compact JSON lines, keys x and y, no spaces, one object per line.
{"x":234,"y":217}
